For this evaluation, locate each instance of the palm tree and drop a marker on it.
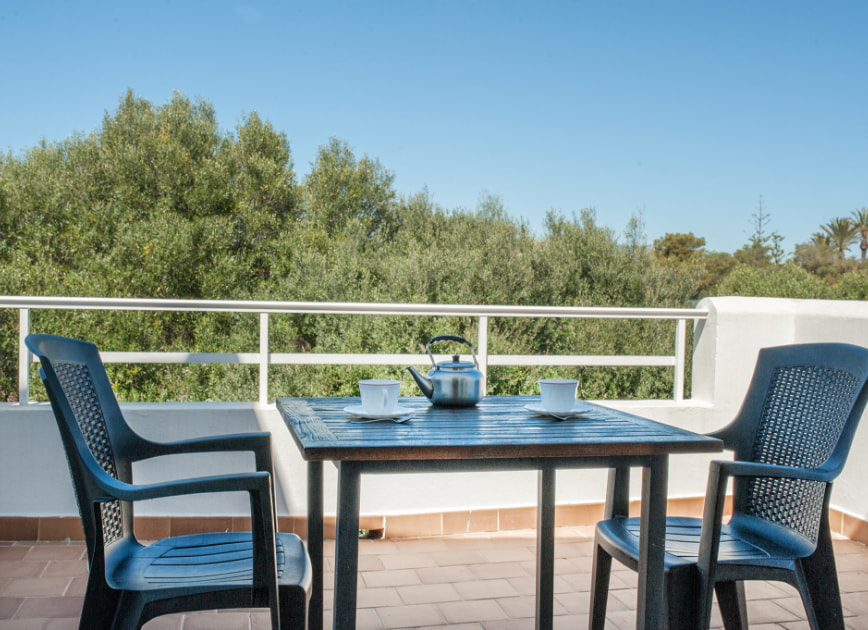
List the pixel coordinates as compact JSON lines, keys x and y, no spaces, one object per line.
{"x":820,"y":240}
{"x":860,"y":225}
{"x":842,"y":232}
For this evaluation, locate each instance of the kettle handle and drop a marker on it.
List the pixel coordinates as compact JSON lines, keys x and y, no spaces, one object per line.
{"x":450,"y":338}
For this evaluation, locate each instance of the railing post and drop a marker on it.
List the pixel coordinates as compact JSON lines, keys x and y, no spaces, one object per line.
{"x":23,"y":357}
{"x":482,"y":351}
{"x":680,"y":359}
{"x":263,"y":358}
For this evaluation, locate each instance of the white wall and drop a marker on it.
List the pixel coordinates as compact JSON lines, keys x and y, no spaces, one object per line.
{"x":34,"y":480}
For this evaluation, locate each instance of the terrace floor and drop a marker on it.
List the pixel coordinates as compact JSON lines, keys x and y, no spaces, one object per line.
{"x":471,"y":582}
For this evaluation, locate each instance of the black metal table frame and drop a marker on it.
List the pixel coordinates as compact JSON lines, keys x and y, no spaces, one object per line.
{"x":650,"y":596}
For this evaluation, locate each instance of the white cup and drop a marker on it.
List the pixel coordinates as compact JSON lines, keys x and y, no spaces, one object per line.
{"x":379,"y":395}
{"x":558,"y":394}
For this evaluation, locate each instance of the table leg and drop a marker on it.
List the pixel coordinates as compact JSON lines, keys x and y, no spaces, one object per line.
{"x":347,"y":546}
{"x":314,"y":542}
{"x":545,"y":548}
{"x":652,"y":538}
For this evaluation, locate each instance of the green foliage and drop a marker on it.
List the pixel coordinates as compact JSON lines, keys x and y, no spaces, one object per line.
{"x":341,"y":190}
{"x":789,"y":281}
{"x":860,"y":229}
{"x":842,"y":233}
{"x":679,"y":247}
{"x":159,"y":202}
{"x":853,"y":285}
{"x":763,"y":248}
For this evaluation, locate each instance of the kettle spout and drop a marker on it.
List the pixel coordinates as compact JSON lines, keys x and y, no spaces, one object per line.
{"x":424,"y":383}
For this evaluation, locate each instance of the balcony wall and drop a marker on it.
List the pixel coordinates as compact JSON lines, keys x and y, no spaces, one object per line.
{"x":34,"y":481}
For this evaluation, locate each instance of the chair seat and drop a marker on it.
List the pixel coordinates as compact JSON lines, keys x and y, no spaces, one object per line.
{"x":620,"y":536}
{"x":201,"y":562}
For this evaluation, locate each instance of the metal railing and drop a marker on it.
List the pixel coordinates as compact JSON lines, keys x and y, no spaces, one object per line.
{"x":265,"y":358}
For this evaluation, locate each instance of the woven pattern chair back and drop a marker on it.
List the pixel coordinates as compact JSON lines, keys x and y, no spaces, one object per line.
{"x":78,"y":389}
{"x":804,"y":414}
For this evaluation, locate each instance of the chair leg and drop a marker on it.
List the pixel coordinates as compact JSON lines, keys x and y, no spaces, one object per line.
{"x":818,"y":585}
{"x":733,"y":605}
{"x":129,"y":612}
{"x":293,"y":609}
{"x":601,"y":571}
{"x":100,"y":604}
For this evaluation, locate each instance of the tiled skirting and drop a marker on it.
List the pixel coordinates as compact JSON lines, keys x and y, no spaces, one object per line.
{"x":46,"y":528}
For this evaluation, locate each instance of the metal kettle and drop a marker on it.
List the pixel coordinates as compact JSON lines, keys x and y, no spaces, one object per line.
{"x":452,"y":383}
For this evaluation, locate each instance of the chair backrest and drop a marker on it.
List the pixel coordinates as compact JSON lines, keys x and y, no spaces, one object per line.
{"x":93,"y":431}
{"x":802,"y":409}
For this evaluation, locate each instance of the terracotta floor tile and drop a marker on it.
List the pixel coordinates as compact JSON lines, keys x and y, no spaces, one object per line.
{"x":464,"y":612}
{"x":68,"y":568}
{"x":459,"y":556}
{"x":485,"y":589}
{"x":37,"y":587}
{"x":379,"y":597}
{"x":9,"y":606}
{"x":445,"y":575}
{"x":376,"y":579}
{"x":525,"y":607}
{"x":410,"y":616}
{"x":414,"y":560}
{"x":165,"y":622}
{"x":58,"y":551}
{"x":509,"y":553}
{"x":21,"y":569}
{"x":491,"y":570}
{"x":217,"y":621}
{"x":428,"y":593}
{"x":13,"y":552}
{"x":50,"y":607}
{"x":30,"y":624}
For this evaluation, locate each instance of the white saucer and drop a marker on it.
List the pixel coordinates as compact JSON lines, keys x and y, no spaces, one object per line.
{"x":359,"y":412}
{"x":578,"y":409}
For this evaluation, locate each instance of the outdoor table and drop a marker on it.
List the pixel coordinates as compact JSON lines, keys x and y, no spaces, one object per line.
{"x":497,"y":434}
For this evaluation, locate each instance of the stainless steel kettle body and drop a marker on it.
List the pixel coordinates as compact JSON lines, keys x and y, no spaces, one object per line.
{"x":452,"y":383}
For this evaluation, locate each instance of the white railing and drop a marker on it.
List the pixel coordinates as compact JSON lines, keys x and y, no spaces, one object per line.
{"x":264,"y":358}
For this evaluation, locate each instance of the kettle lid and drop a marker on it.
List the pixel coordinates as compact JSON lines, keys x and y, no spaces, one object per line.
{"x":456,"y":364}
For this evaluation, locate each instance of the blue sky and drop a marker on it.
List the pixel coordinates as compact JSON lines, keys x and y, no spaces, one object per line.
{"x":686,"y":111}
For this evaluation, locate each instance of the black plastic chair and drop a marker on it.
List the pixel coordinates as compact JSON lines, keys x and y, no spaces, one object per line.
{"x":790,"y":440}
{"x":131,"y":583}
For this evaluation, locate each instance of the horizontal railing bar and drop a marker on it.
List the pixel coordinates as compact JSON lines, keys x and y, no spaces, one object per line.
{"x":595,"y":360}
{"x":320,"y":358}
{"x":180,"y":357}
{"x":317,"y":358}
{"x":348,"y":308}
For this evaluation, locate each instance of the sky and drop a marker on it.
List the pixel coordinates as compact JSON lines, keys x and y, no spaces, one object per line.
{"x":691,"y":115}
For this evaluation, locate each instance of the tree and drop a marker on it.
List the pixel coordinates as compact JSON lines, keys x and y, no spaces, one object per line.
{"x":341,"y":189}
{"x":679,"y":247}
{"x":762,"y":249}
{"x":842,"y":234}
{"x":860,"y":225}
{"x":820,"y":258}
{"x":788,"y":280}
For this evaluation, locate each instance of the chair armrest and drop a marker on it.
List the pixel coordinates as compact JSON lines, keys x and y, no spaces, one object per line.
{"x":258,"y":482}
{"x":257,"y":443}
{"x":755,"y":469}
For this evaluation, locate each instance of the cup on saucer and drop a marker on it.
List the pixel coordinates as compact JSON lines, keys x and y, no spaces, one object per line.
{"x":558,"y":394}
{"x":379,"y":396}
